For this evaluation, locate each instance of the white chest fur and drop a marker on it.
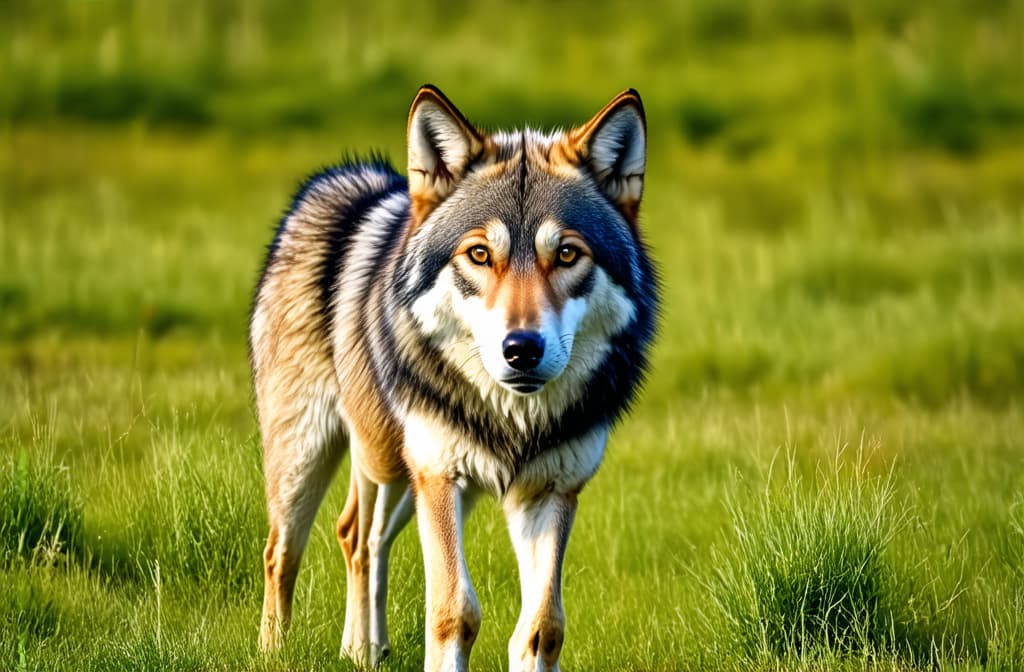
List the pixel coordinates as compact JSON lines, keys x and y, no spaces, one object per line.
{"x":434,"y":449}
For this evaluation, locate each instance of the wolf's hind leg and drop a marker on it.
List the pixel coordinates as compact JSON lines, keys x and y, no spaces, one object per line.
{"x":372,"y":518}
{"x":353,"y":528}
{"x":297,"y":475}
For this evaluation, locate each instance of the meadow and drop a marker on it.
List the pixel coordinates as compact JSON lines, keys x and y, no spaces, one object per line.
{"x":826,"y":468}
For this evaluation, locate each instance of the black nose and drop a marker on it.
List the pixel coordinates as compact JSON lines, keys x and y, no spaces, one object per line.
{"x":523,"y":350}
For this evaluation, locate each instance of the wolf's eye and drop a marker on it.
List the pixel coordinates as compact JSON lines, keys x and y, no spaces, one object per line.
{"x":479,"y":255}
{"x":567,"y":255}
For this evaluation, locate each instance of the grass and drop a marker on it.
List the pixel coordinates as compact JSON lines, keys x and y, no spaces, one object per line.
{"x":810,"y":575}
{"x":40,"y":521}
{"x":824,"y":471}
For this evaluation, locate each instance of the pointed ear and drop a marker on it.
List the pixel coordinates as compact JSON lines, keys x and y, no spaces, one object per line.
{"x":614,"y":146}
{"x":441,"y":144}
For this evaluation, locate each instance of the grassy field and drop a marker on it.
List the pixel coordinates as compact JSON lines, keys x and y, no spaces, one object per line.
{"x":826,"y":470}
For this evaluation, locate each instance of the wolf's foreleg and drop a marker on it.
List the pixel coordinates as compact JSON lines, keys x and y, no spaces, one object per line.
{"x":453,"y":612}
{"x":539,"y":528}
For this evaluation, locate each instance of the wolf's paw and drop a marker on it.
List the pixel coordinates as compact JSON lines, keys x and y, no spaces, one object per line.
{"x":379,"y":653}
{"x":540,"y":651}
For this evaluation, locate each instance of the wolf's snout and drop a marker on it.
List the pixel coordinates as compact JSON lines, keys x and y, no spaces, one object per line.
{"x":523,"y":350}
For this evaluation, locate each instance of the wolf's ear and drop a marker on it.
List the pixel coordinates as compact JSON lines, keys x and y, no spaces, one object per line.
{"x":441,"y":144}
{"x":613,"y":145}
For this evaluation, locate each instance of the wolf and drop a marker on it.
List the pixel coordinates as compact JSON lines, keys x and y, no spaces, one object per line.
{"x":476,"y":327}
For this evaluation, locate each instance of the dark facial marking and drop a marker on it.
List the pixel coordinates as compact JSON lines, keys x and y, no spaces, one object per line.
{"x":464,"y":285}
{"x":584,"y":286}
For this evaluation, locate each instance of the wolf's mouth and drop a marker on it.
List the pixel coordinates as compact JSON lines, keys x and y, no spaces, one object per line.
{"x":525,"y":384}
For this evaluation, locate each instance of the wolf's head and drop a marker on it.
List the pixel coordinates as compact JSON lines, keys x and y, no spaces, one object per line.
{"x":522,"y":258}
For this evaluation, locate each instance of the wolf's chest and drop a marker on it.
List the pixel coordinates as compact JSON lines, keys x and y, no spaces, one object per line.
{"x":431,"y":446}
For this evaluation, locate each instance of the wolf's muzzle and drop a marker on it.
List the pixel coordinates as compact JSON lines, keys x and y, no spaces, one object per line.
{"x":523,"y":349}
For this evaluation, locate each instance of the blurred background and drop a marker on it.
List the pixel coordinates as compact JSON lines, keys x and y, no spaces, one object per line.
{"x":150,"y":146}
{"x":835,"y":194}
{"x":902,"y":116}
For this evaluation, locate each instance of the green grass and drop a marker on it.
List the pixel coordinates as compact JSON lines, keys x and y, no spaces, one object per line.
{"x":812,"y":574}
{"x":39,"y":520}
{"x":825,"y":471}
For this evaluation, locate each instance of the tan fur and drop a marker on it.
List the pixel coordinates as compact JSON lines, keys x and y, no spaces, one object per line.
{"x":347,"y":528}
{"x":369,"y":421}
{"x":376,"y":437}
{"x":288,"y":343}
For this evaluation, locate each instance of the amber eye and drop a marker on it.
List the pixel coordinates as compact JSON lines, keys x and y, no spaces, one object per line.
{"x":479,"y":255}
{"x":567,"y":255}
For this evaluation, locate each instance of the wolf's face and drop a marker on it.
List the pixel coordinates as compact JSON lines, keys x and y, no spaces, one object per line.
{"x":523,"y":244}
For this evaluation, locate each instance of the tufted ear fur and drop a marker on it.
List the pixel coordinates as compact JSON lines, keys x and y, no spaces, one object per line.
{"x":441,"y":144}
{"x":613,"y":144}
